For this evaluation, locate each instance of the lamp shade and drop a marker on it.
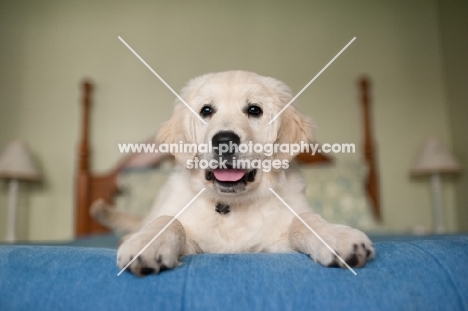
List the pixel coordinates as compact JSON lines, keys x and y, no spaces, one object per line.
{"x":434,"y":157}
{"x":16,"y":163}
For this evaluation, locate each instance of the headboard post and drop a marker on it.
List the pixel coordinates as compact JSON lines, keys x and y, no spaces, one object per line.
{"x":369,"y":149}
{"x":83,"y":176}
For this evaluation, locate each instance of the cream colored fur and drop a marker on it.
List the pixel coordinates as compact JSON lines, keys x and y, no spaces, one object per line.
{"x":258,"y":221}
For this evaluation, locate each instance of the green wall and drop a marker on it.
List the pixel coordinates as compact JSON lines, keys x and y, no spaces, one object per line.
{"x":454,"y":31}
{"x":48,"y":47}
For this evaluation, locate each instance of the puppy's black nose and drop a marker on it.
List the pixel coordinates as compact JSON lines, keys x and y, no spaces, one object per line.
{"x":226,"y":143}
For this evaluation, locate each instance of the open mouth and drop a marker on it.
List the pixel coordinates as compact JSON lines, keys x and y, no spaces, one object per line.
{"x":230,"y":177}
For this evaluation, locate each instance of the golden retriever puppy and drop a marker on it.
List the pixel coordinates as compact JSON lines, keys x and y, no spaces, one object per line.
{"x":237,"y":212}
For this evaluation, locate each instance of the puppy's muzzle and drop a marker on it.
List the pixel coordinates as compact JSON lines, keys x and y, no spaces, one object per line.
{"x":228,"y":179}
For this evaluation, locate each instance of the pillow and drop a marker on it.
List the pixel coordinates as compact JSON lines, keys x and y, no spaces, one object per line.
{"x":335,"y":192}
{"x":140,"y":187}
{"x":338,"y":194}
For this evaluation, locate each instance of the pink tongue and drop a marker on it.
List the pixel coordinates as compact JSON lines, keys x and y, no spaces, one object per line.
{"x":228,"y":175}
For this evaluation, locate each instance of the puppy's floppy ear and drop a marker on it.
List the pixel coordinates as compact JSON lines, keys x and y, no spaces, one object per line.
{"x":177,"y":130}
{"x":294,"y":128}
{"x":171,"y":131}
{"x":291,"y":127}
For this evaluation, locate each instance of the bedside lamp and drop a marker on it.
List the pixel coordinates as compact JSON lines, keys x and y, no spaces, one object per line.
{"x":434,"y":159}
{"x":16,"y":165}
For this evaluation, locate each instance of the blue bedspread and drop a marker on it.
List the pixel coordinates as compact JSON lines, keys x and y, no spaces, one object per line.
{"x":419,"y":274}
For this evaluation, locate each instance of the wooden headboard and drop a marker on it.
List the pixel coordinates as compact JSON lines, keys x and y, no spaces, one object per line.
{"x":91,"y":186}
{"x":370,"y":156}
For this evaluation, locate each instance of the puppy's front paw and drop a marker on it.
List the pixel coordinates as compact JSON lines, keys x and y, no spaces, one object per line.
{"x":352,"y":245}
{"x":163,"y":253}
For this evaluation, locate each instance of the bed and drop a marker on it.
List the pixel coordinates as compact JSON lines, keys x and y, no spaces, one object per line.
{"x":91,"y":186}
{"x":414,"y":273}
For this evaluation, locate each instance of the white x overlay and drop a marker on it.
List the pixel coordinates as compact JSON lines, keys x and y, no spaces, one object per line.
{"x":162,"y":230}
{"x":203,"y":121}
{"x":313,"y":79}
{"x":162,"y":80}
{"x":312,"y":230}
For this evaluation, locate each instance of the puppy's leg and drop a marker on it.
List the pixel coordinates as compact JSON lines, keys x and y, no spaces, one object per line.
{"x":162,"y":253}
{"x":350,"y":244}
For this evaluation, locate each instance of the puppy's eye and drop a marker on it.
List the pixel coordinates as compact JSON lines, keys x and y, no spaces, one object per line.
{"x":254,"y":110}
{"x":206,"y":111}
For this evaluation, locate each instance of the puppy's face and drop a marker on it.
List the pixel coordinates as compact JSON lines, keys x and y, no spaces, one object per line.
{"x":237,"y":107}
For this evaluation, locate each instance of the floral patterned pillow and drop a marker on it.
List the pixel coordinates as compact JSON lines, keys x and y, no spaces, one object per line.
{"x":337,"y":193}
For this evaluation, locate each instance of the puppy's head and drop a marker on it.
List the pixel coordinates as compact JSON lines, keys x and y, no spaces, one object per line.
{"x":237,"y":107}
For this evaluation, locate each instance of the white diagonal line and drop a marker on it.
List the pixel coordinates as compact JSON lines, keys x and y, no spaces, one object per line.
{"x":161,"y":79}
{"x":313,"y":79}
{"x":162,"y":230}
{"x":313,"y":231}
